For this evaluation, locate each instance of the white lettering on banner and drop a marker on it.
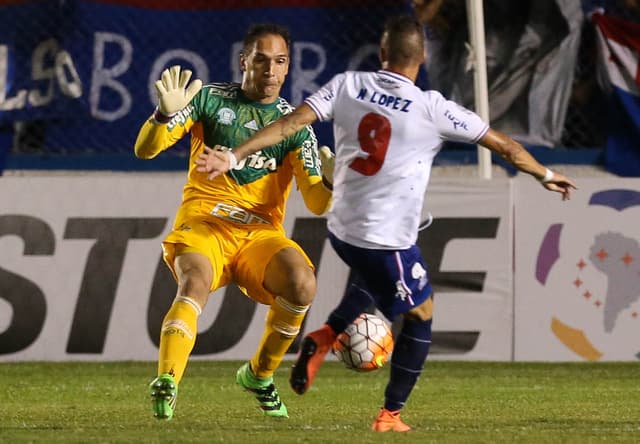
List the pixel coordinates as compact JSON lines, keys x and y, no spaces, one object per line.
{"x":43,"y":74}
{"x":105,"y":77}
{"x":8,"y":103}
{"x":234,"y":62}
{"x":200,"y":68}
{"x":304,"y":79}
{"x":364,"y":52}
{"x":64,"y":74}
{"x":71,"y":87}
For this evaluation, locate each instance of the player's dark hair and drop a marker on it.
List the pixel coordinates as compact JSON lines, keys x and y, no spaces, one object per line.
{"x":261,"y":29}
{"x":403,"y":39}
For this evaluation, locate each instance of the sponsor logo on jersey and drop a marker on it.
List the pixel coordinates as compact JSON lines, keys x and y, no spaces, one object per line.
{"x":226,"y":116}
{"x":327,"y":97}
{"x":180,"y":118}
{"x":258,"y":161}
{"x":387,"y":83}
{"x":225,"y":90}
{"x":284,"y":107}
{"x":309,"y":153}
{"x":457,"y":123}
{"x":251,"y":125}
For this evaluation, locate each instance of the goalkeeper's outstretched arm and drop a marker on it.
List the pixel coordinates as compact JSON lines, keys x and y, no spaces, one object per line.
{"x":174,"y":94}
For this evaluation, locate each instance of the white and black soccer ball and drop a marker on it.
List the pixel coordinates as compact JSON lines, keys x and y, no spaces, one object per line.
{"x":365,"y":345}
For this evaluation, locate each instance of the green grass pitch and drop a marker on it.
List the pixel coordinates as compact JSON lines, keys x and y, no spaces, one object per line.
{"x":454,"y":402}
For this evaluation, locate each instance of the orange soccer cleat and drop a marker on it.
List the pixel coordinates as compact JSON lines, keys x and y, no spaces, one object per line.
{"x":315,"y":347}
{"x":388,"y":420}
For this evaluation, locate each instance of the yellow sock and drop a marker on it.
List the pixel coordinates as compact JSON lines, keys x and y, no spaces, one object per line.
{"x":282,"y":326}
{"x":178,"y":336}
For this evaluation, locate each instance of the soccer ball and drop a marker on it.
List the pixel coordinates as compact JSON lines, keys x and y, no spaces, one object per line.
{"x":365,"y":345}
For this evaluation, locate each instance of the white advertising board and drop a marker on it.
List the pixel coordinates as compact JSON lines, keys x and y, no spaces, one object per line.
{"x":81,"y":276}
{"x":577,"y":286}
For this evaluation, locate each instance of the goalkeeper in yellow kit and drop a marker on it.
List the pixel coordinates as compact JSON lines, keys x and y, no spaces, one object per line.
{"x":229,"y":229}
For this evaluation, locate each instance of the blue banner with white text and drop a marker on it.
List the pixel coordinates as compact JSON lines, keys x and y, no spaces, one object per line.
{"x":84,"y":71}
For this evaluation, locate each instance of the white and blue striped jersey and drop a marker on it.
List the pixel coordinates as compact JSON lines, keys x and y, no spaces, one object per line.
{"x":387,"y":132}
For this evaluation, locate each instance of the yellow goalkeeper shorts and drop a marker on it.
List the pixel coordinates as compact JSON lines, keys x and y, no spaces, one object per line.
{"x":237,"y":252}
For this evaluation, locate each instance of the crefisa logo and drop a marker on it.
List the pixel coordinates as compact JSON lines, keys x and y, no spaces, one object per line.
{"x":590,"y":274}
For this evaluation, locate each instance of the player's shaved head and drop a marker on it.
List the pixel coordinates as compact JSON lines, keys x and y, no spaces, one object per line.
{"x":403,"y":41}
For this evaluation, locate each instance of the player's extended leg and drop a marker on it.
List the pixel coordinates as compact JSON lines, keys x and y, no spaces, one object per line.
{"x":289,"y":276}
{"x":356,"y":300}
{"x":317,"y":344}
{"x":179,"y":330}
{"x":409,"y":354}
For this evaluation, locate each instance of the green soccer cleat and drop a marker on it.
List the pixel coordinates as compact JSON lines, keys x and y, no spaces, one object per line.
{"x":164,"y":392}
{"x":264,"y":391}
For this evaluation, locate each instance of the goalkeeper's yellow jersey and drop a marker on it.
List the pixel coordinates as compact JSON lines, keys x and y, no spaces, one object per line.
{"x":221,"y":114}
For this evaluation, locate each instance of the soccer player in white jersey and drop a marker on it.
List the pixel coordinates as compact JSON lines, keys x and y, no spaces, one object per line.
{"x":387,"y":133}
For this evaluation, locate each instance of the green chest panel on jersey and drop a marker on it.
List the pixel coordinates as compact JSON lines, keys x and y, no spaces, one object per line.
{"x":228,"y":119}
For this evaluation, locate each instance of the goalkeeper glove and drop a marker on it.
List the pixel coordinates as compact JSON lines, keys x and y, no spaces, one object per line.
{"x":173,"y":93}
{"x":328,"y":161}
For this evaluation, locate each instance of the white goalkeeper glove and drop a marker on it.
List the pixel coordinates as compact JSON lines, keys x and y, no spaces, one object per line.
{"x":173,"y":93}
{"x":328,"y":161}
